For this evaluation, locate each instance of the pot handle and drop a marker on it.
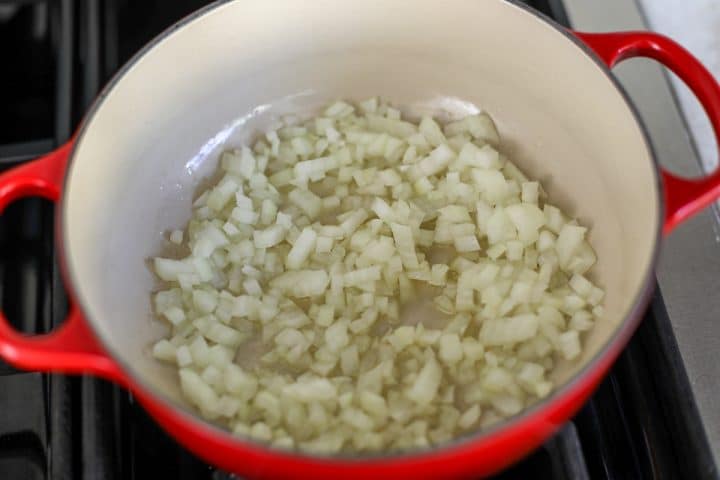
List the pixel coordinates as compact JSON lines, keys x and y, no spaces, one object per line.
{"x":684,"y":197}
{"x":72,"y":347}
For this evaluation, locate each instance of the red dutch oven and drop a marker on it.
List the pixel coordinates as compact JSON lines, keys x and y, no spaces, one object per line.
{"x":230,"y":69}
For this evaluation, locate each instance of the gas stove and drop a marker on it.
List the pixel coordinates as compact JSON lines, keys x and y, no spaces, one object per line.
{"x":654,"y":417}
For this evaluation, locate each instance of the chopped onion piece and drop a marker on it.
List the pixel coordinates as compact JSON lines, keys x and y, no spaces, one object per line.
{"x":302,"y":283}
{"x":467,"y":243}
{"x":302,"y":248}
{"x":405,"y":245}
{"x":425,"y":388}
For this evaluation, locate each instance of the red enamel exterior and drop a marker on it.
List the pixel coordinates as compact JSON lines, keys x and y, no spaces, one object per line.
{"x":73,"y":348}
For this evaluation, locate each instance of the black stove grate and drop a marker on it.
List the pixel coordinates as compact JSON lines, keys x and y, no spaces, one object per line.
{"x":640,"y":424}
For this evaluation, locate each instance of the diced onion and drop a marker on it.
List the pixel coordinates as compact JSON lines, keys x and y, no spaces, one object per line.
{"x":361,"y":282}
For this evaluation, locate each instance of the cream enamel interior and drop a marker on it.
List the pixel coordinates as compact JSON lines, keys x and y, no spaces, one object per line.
{"x":232,"y":71}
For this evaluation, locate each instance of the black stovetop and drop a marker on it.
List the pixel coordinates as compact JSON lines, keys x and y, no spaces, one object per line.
{"x":55,"y":55}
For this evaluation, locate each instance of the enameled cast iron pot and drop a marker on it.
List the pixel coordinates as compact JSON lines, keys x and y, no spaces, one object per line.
{"x":227,"y":71}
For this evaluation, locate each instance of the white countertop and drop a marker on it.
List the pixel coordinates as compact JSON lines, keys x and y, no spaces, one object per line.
{"x":696,"y":25}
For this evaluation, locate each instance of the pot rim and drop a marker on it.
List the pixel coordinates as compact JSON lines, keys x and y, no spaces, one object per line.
{"x":609,"y":351}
